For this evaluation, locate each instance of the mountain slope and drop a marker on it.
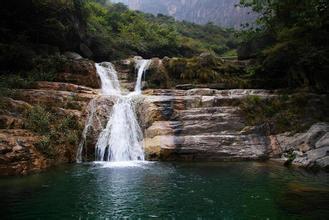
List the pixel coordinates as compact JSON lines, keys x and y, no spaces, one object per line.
{"x":222,"y":12}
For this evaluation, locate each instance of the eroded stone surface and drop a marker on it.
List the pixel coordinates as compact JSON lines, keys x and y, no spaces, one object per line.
{"x":18,"y":154}
{"x":80,"y":72}
{"x":309,"y":149}
{"x":199,"y":124}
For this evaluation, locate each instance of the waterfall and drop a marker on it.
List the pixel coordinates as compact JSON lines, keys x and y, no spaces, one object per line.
{"x":122,"y":138}
{"x":109,"y":79}
{"x":89,"y":123}
{"x":141,"y":66}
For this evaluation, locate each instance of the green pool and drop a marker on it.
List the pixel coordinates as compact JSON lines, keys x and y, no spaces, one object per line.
{"x":246,"y":190}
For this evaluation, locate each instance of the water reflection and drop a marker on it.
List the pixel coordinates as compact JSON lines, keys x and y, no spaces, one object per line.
{"x":167,"y":190}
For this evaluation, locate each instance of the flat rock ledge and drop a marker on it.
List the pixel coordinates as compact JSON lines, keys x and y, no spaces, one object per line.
{"x":200,"y":125}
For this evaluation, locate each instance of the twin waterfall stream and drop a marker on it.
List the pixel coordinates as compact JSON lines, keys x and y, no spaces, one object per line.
{"x":122,"y":138}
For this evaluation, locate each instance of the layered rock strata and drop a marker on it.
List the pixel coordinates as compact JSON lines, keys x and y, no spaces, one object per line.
{"x":18,"y":145}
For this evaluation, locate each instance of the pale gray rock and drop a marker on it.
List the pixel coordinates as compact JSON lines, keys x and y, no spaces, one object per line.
{"x":73,"y":55}
{"x":311,"y":149}
{"x":323,"y":142}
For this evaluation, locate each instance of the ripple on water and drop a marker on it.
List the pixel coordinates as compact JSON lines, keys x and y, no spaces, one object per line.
{"x":123,"y":164}
{"x":145,"y":190}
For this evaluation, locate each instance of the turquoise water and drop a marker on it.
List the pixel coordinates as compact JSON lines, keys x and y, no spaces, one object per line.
{"x":245,"y":190}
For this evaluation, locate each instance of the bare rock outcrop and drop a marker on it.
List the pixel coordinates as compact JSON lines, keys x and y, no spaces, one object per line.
{"x":80,"y":72}
{"x":309,"y":149}
{"x":19,"y":146}
{"x":199,"y":124}
{"x":18,"y":155}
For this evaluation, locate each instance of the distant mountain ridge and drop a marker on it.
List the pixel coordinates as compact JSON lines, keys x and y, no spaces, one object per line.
{"x":225,"y":13}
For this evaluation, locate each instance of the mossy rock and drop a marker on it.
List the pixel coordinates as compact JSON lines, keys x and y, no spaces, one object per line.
{"x":157,"y":75}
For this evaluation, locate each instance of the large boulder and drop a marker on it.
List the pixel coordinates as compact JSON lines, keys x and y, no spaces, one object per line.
{"x":309,"y":149}
{"x":80,"y":72}
{"x":72,"y":55}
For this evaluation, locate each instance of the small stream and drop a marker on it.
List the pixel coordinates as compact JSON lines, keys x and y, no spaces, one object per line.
{"x":146,"y":190}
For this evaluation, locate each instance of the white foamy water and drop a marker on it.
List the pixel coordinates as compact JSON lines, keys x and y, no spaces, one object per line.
{"x":88,"y":126}
{"x":109,"y":78}
{"x":124,"y":164}
{"x":122,"y":138}
{"x":141,"y":66}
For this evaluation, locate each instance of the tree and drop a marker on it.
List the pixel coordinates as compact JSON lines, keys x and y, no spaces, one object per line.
{"x":298,"y":51}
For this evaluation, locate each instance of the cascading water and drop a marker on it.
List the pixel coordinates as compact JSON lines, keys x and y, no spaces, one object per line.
{"x":88,"y":125}
{"x":109,"y":79}
{"x":141,"y":66}
{"x":122,"y":138}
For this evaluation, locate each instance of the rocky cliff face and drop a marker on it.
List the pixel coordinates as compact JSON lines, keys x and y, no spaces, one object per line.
{"x":221,"y":12}
{"x":309,"y":149}
{"x":203,"y":124}
{"x":199,"y":124}
{"x":22,"y":150}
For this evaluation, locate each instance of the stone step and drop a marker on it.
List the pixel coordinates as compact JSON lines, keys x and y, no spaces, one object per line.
{"x":61,"y":86}
{"x":190,"y":102}
{"x":214,"y":118}
{"x":210,"y":92}
{"x":164,"y":92}
{"x":210,"y":110}
{"x":209,"y":147}
{"x":228,"y":92}
{"x":210,"y":113}
{"x":193,"y":127}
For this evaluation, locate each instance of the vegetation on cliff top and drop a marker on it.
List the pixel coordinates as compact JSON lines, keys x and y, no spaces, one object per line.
{"x":290,"y":42}
{"x":285,"y":112}
{"x":33,"y":28}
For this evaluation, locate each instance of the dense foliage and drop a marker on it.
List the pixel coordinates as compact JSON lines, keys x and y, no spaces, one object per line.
{"x":285,"y":112}
{"x":30,"y":29}
{"x":120,"y":32}
{"x":206,"y":68}
{"x":290,"y":41}
{"x":55,"y":130}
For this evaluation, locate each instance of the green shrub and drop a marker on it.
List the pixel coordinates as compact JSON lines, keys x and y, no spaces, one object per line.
{"x":46,"y":67}
{"x":73,"y":137}
{"x":16,"y":81}
{"x":45,"y":147}
{"x":290,"y":45}
{"x":283,"y":113}
{"x":56,"y":131}
{"x":38,"y":120}
{"x":291,"y":156}
{"x":68,"y":123}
